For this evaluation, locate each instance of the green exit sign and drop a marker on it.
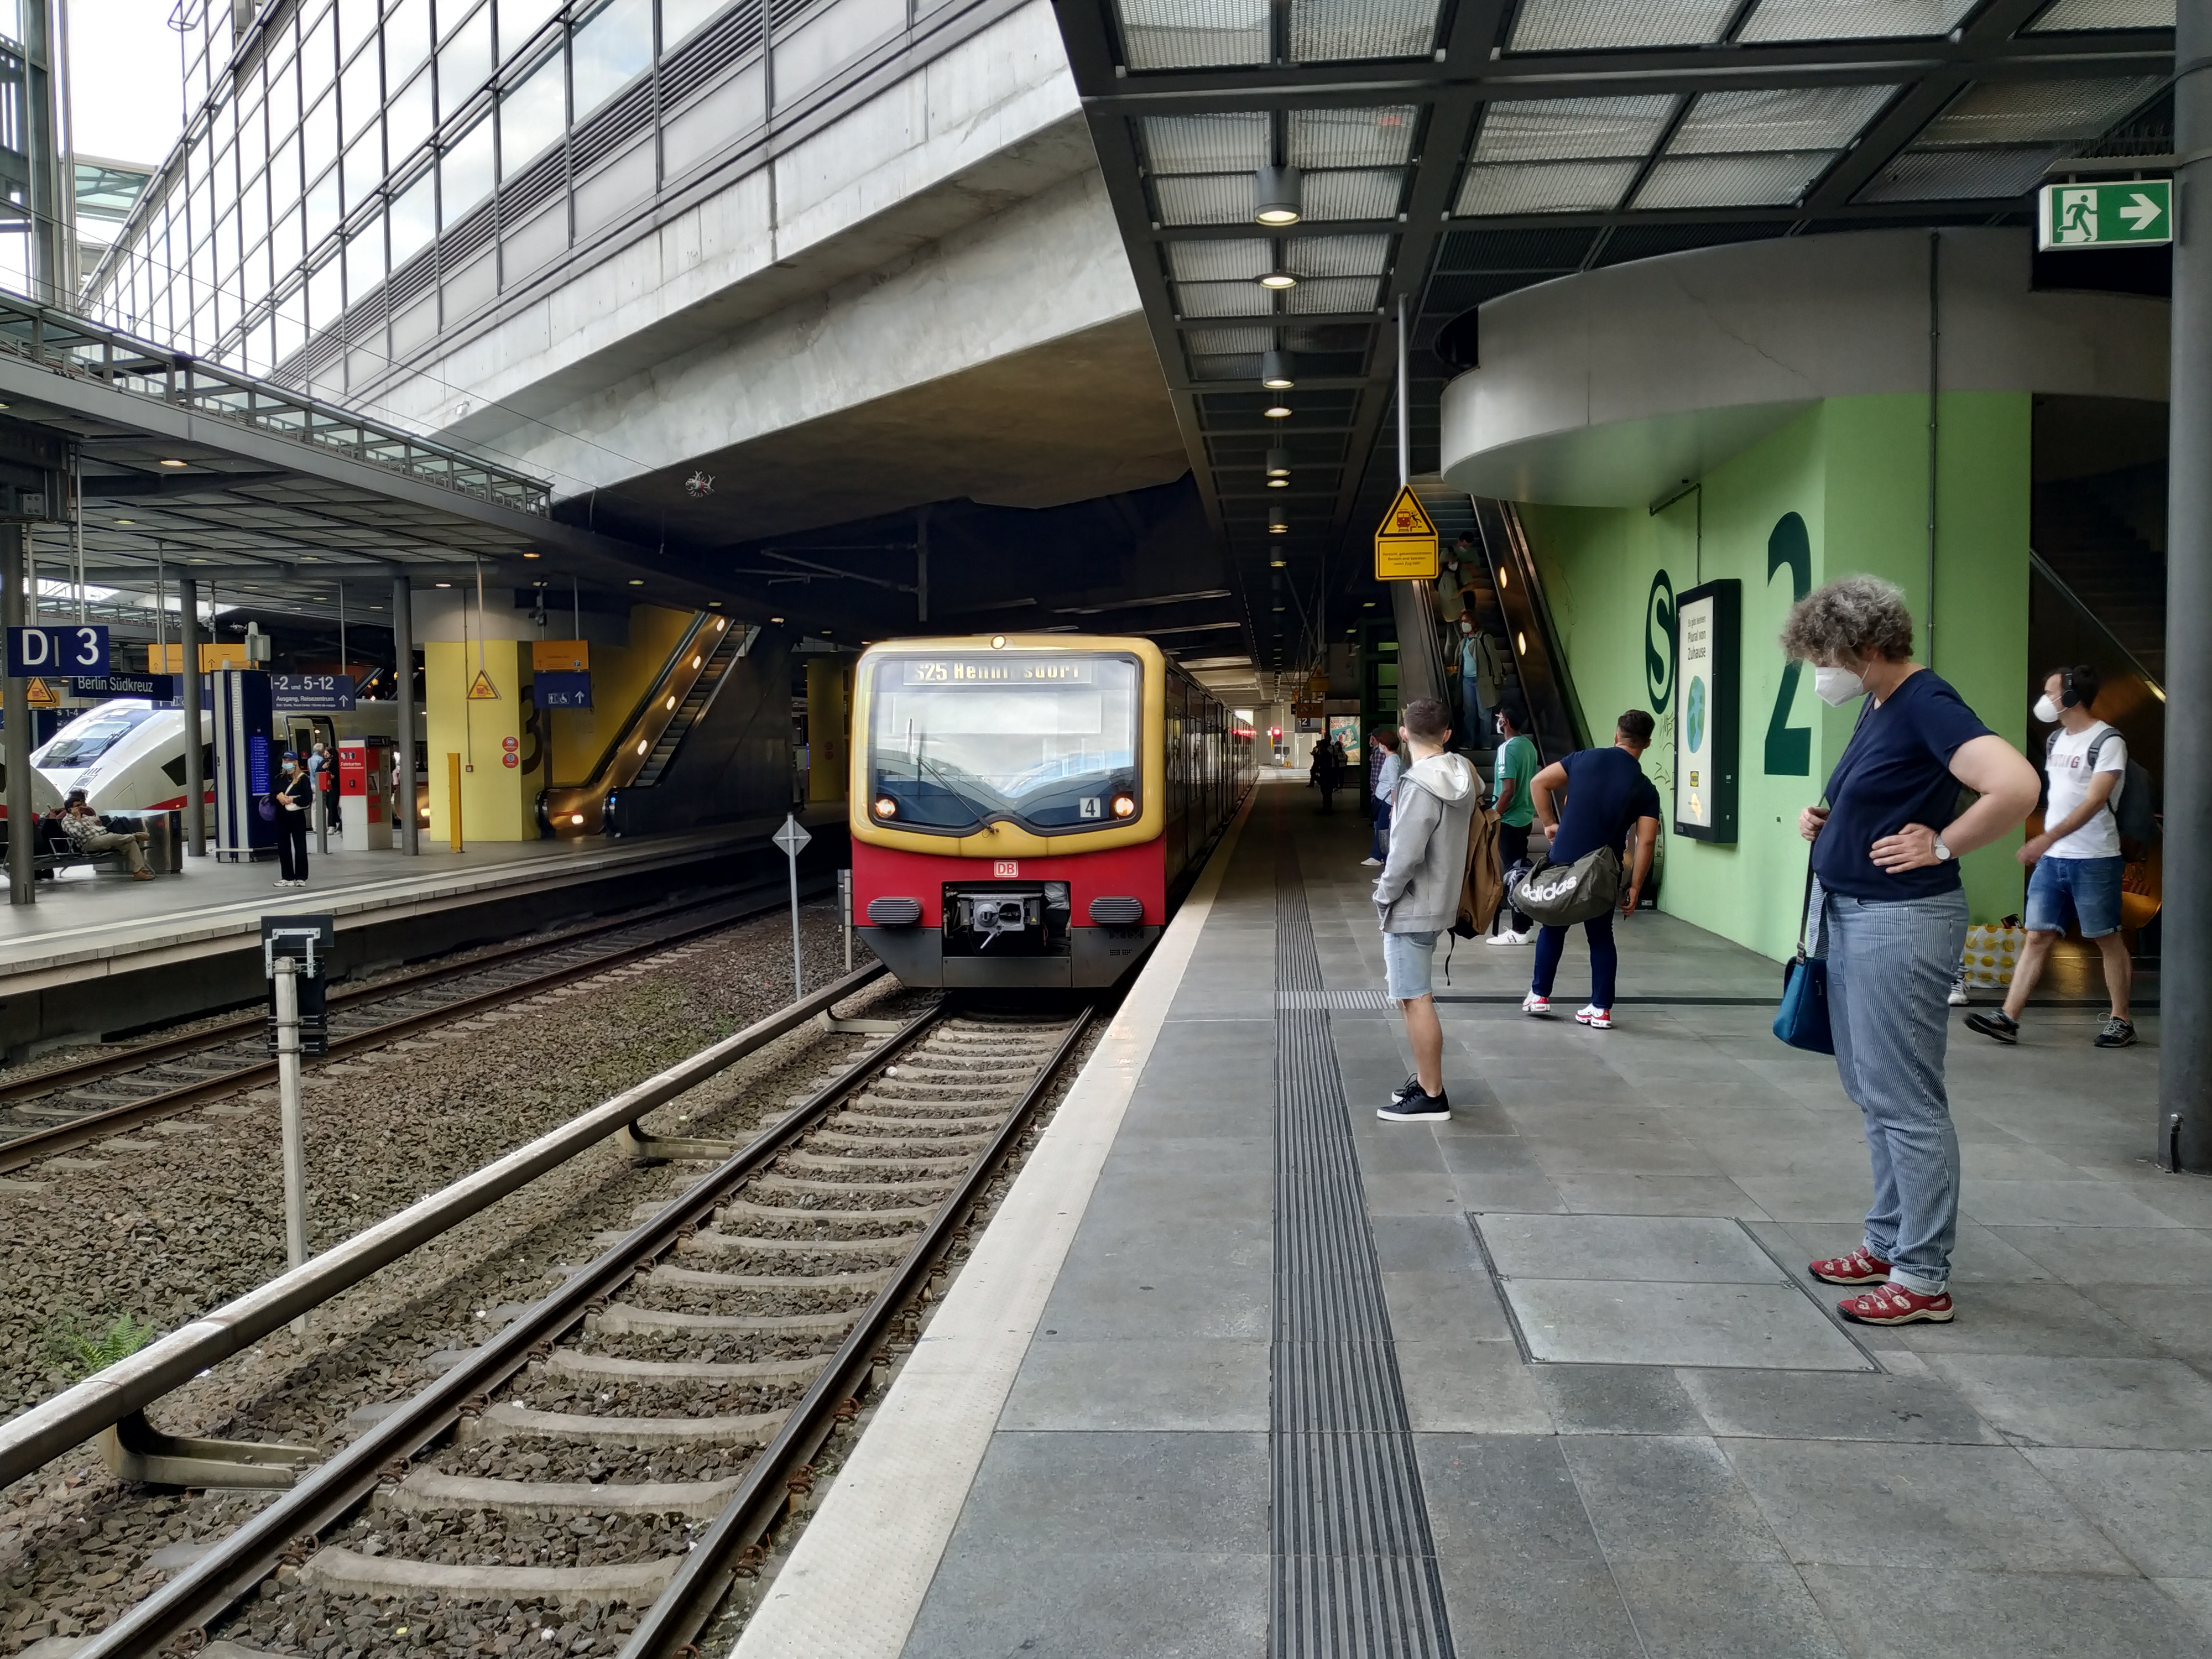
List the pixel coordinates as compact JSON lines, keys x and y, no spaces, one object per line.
{"x":2104,"y":215}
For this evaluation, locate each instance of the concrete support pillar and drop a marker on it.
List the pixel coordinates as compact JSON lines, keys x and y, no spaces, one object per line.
{"x":188,"y":666}
{"x":2185,"y":1081}
{"x":22,"y":885}
{"x":403,"y":669}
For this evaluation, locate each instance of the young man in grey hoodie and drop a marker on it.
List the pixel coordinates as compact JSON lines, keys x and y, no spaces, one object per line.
{"x":1417,"y":896}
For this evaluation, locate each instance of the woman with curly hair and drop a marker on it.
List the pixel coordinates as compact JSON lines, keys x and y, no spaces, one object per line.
{"x":1888,"y":906}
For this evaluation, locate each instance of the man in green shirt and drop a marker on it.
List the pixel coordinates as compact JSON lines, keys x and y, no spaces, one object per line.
{"x":1518,"y":762}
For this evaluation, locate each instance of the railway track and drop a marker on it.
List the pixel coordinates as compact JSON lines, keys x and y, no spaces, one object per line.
{"x":598,"y":1475}
{"x":58,"y":1111}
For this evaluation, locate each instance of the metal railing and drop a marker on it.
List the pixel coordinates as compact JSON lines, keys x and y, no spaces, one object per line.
{"x":61,"y":341}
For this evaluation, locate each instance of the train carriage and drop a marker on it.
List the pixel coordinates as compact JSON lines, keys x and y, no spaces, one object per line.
{"x":1026,"y":808}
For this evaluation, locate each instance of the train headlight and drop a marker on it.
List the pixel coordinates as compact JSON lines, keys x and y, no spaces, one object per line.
{"x":1124,"y":807}
{"x":886,"y":807}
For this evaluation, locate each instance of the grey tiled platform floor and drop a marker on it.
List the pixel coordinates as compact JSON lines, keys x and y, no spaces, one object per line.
{"x":2035,"y":1480}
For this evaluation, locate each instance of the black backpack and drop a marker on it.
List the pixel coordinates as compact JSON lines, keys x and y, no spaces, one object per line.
{"x":2134,"y":813}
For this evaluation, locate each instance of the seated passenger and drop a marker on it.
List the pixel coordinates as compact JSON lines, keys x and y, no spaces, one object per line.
{"x":88,"y":834}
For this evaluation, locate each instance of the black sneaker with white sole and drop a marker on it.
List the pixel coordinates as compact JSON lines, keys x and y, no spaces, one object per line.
{"x":1416,"y":1107}
{"x":2117,"y":1033}
{"x":1411,"y":1085}
{"x":1997,"y":1025}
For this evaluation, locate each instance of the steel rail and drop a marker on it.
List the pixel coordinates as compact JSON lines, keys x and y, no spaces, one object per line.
{"x":230,"y":1571}
{"x":53,"y":1426}
{"x":20,"y":1150}
{"x":706,"y":1574}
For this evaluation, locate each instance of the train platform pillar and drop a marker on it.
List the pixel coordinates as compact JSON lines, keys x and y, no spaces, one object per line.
{"x":477,"y":697}
{"x":829,"y":735}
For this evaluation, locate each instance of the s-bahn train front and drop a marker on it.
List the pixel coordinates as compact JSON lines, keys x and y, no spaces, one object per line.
{"x":1022,"y":812}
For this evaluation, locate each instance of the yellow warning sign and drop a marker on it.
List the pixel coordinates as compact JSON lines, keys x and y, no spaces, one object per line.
{"x":1405,"y":541}
{"x":40,"y":695}
{"x":482,"y":689}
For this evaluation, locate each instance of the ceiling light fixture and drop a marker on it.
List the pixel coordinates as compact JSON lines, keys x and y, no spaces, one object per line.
{"x":441,"y":584}
{"x":1275,"y":371}
{"x":1278,"y":524}
{"x":172,"y":463}
{"x":1277,"y":412}
{"x":533,"y":556}
{"x":126,"y":521}
{"x":1278,"y":462}
{"x":637,"y":582}
{"x":1276,"y":197}
{"x":1279,"y":279}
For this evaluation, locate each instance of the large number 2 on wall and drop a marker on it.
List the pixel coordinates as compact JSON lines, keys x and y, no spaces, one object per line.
{"x":1790,"y":748}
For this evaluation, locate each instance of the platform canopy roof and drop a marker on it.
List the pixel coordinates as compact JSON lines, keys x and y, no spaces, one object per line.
{"x":183,"y":468}
{"x":1453,"y":150}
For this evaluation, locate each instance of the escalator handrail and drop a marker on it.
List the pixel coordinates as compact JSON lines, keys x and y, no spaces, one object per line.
{"x":2042,"y":568}
{"x":644,"y":704}
{"x":737,"y":642}
{"x":1515,"y":554}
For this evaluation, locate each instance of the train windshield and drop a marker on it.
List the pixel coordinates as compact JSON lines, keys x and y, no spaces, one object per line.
{"x":959,"y":739}
{"x":89,"y":737}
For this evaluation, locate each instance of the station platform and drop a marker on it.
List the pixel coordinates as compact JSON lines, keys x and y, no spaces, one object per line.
{"x":100,"y":953}
{"x":1239,"y":1369}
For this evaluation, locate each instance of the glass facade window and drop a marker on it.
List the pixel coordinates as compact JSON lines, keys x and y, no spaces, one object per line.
{"x":611,"y":50}
{"x":414,"y":219}
{"x":318,"y":61}
{"x":356,"y":22}
{"x":519,"y":21}
{"x":364,"y":262}
{"x":532,"y":115}
{"x":406,"y":38}
{"x":360,"y":92}
{"x":466,"y":174}
{"x":364,"y":168}
{"x":253,"y":211}
{"x":326,"y":294}
{"x":464,"y":61}
{"x":682,"y":18}
{"x":323,"y":208}
{"x":290,"y":332}
{"x":318,"y":136}
{"x":284,"y":102}
{"x":409,"y":121}
{"x":284,"y":177}
{"x":285,"y":243}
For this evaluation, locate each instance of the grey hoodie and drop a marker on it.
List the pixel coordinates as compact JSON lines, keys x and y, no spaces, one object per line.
{"x":1418,"y":891}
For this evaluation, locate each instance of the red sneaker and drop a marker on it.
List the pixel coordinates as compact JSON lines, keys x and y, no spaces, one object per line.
{"x":1892,"y":1305}
{"x":1861,"y":1267}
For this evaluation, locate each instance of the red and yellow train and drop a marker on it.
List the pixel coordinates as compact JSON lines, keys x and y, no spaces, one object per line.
{"x":1025,"y":808}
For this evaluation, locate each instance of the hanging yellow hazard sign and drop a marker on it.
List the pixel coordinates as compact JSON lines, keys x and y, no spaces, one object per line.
{"x":482,"y":691}
{"x":1405,"y":541}
{"x":40,"y":695}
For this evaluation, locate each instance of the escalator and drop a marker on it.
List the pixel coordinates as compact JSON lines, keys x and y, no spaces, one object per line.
{"x":649,"y":740}
{"x":1515,"y":615}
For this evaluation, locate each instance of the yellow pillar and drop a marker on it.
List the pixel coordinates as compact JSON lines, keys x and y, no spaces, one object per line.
{"x":498,"y":799}
{"x":828,"y":741}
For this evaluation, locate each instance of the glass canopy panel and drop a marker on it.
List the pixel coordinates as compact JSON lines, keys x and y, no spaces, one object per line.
{"x":1224,"y":300}
{"x":2036,"y":112}
{"x":2080,"y":16}
{"x":1349,"y":193}
{"x":1217,"y":199}
{"x":1852,"y":19}
{"x":1335,"y":293}
{"x":1937,"y":175}
{"x":1600,"y":25}
{"x":1778,"y":118}
{"x":1241,"y":260}
{"x":1544,"y":187}
{"x":681,"y":19}
{"x":1352,"y":137}
{"x":1769,"y":179}
{"x":1160,"y":34}
{"x":1340,"y":256}
{"x":1345,"y":30}
{"x":532,"y":116}
{"x":1204,"y":143}
{"x":1571,"y":129}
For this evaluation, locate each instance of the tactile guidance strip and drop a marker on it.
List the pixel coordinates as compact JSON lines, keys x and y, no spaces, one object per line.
{"x":1354,"y":1567}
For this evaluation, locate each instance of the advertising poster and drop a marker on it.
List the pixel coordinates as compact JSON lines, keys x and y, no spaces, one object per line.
{"x":1706,"y":673}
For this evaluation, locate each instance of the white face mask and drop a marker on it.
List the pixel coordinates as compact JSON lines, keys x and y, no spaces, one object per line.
{"x":2046,"y":710}
{"x":1467,"y":628}
{"x":1837,"y":686}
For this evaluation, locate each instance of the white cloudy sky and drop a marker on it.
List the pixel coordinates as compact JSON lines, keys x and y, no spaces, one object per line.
{"x":126,"y":85}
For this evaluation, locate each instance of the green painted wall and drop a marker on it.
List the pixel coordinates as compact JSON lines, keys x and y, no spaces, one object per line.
{"x":1855,"y":472}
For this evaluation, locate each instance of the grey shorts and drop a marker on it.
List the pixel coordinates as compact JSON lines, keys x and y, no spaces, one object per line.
{"x":1407,"y":959}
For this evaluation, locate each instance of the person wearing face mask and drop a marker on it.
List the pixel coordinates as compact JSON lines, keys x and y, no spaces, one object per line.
{"x":1516,"y":764}
{"x":1470,"y":679}
{"x":292,"y":796}
{"x":1887,"y":905}
{"x":2077,"y":859}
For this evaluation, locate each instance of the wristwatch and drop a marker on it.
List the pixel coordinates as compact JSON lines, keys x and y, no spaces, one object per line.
{"x":1942,"y":851}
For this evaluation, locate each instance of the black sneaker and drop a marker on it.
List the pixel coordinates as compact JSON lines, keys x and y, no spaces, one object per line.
{"x":1996,"y":1024}
{"x":1416,"y":1107}
{"x":1411,"y":1086}
{"x":2117,"y":1034}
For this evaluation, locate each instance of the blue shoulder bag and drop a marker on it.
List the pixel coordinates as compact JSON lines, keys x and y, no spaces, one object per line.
{"x":1802,"y":1020}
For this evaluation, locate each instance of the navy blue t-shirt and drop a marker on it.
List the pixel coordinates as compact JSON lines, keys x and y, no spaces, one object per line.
{"x":1896,"y":770}
{"x":1607,"y":792}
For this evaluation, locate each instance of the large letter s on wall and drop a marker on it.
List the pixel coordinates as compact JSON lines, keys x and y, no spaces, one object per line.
{"x":1659,"y":643}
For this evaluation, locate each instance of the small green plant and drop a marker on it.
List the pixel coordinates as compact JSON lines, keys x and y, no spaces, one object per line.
{"x":81,"y":1351}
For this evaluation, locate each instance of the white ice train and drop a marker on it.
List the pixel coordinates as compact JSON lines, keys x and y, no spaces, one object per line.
{"x":129,"y":756}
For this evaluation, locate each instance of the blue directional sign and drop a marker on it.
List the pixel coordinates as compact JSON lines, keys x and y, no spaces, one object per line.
{"x":565,"y":688}
{"x":306,"y":694}
{"x":80,"y":648}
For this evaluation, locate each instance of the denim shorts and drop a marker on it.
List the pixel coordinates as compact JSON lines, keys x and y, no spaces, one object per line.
{"x":2090,"y":888}
{"x":1407,"y":959}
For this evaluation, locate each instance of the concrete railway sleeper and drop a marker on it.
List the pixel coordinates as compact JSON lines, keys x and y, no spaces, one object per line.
{"x":74,"y":1106}
{"x":743,"y":1320}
